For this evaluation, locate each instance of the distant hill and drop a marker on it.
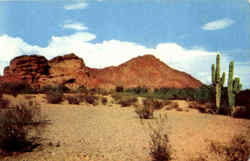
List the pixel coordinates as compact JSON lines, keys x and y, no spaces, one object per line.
{"x":71,"y":70}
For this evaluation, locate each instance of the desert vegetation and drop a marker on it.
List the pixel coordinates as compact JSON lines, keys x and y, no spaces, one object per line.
{"x":22,"y":124}
{"x":160,"y":147}
{"x":238,"y":148}
{"x":17,"y":123}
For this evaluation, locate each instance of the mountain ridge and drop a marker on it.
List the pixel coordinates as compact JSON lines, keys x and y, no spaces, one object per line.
{"x":147,"y":71}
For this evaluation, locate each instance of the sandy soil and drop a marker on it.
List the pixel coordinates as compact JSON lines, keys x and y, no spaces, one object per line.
{"x":113,"y":133}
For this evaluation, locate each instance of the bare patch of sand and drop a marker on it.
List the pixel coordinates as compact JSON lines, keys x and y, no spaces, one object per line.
{"x":104,"y":133}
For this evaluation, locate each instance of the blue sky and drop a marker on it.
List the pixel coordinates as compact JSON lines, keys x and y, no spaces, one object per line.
{"x":184,"y":34}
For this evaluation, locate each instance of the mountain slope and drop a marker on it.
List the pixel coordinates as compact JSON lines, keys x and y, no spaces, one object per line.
{"x":146,"y":71}
{"x":69,"y":69}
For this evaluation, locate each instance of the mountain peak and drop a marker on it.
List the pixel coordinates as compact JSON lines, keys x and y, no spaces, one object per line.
{"x":146,"y":70}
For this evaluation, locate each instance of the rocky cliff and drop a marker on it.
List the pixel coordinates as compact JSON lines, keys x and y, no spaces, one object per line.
{"x":69,"y":69}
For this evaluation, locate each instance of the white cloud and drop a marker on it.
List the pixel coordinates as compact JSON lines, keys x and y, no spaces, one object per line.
{"x":12,"y":47}
{"x":196,"y":61}
{"x":75,"y":26}
{"x":76,"y":6}
{"x":218,"y":24}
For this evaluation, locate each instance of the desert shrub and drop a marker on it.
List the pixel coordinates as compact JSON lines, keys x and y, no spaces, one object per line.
{"x":116,"y":97}
{"x":160,"y":147}
{"x":238,"y":149}
{"x":94,"y":91}
{"x":242,"y":112}
{"x":203,"y":94}
{"x":224,"y":110}
{"x":146,"y":111}
{"x":58,"y":88}
{"x":90,"y":99}
{"x":15,"y":88}
{"x":204,"y":107}
{"x":172,"y":105}
{"x":73,"y":100}
{"x":104,"y":100}
{"x":54,"y":97}
{"x":153,"y":102}
{"x":157,"y":104}
{"x":101,"y":91}
{"x":4,"y":103}
{"x":82,"y":89}
{"x":16,"y":126}
{"x":119,"y":89}
{"x":126,"y":101}
{"x":137,"y":90}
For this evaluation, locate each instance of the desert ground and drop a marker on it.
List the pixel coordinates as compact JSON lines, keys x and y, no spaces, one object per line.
{"x":113,"y":133}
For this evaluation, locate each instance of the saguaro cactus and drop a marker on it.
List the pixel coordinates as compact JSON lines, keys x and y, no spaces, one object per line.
{"x":217,"y":81}
{"x":234,"y":86}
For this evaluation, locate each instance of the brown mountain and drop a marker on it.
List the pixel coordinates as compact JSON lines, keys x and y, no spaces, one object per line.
{"x":145,"y":71}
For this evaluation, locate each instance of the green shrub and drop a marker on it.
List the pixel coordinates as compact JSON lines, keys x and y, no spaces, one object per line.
{"x":16,"y":126}
{"x":137,"y":90}
{"x":203,"y":94}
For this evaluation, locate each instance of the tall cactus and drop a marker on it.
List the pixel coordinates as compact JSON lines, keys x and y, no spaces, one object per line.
{"x":234,"y":86}
{"x":217,"y":81}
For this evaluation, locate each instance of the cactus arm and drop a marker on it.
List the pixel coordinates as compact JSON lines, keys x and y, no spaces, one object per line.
{"x":237,"y":85}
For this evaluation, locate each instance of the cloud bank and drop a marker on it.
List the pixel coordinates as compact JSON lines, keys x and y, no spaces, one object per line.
{"x":76,"y":6}
{"x":75,"y":26}
{"x":218,"y":24}
{"x":196,"y":62}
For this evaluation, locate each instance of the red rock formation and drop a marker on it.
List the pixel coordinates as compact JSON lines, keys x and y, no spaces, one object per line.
{"x":69,"y":69}
{"x":27,"y":68}
{"x":146,"y":71}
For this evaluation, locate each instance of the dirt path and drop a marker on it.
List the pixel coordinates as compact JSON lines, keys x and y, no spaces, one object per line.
{"x":102,"y":133}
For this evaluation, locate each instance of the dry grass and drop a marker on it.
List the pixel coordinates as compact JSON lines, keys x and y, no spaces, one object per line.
{"x":73,"y":100}
{"x":54,"y":97}
{"x":16,"y":125}
{"x":4,"y":103}
{"x":238,"y":149}
{"x":172,"y":105}
{"x":160,"y":147}
{"x":104,"y":100}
